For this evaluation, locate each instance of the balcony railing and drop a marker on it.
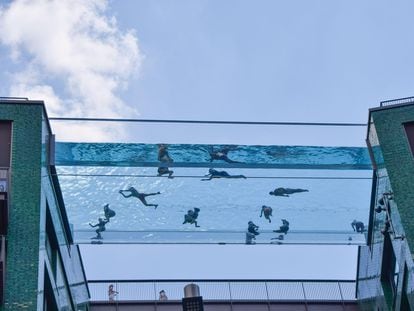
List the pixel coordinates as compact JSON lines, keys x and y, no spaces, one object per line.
{"x":227,"y":290}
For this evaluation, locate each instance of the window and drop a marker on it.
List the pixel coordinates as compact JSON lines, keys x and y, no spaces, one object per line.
{"x":389,"y":272}
{"x":409,"y":131}
{"x":5,"y":143}
{"x":405,"y":305}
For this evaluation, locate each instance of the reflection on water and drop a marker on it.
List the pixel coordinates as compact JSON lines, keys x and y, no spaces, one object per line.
{"x":335,"y":198}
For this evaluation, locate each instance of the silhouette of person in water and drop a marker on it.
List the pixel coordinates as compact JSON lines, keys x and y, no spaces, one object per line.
{"x":109,"y":213}
{"x":267,"y":211}
{"x":139,"y":195}
{"x":252,"y":228}
{"x":284,"y":228}
{"x":212,"y":173}
{"x":220,"y":155}
{"x":284,"y":192}
{"x":358,"y":226}
{"x":191,"y":217}
{"x":165,"y":159}
{"x":101,"y":227}
{"x":250,"y":238}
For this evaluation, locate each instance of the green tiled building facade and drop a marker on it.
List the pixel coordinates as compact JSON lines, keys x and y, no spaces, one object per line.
{"x":385,"y":267}
{"x":42,"y":269}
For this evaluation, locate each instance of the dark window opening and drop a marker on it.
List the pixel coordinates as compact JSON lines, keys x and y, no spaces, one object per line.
{"x":4,"y":213}
{"x":409,"y":131}
{"x":49,"y":301}
{"x":52,"y":244}
{"x":5,"y":143}
{"x":389,"y":272}
{"x":405,"y":305}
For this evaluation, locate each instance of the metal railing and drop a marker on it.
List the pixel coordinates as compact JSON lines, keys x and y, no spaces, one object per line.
{"x":398,"y":101}
{"x":227,"y":290}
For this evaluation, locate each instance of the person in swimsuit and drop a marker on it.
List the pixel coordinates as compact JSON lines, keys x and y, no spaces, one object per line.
{"x":191,"y":217}
{"x":212,"y":173}
{"x":220,"y":155}
{"x":101,"y":227}
{"x":139,"y":195}
{"x":252,"y":228}
{"x":164,"y":159}
{"x":109,"y":213}
{"x":284,"y":192}
{"x":267,"y":212}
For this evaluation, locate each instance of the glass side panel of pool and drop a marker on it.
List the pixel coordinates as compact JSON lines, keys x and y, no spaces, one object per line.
{"x":322,"y":215}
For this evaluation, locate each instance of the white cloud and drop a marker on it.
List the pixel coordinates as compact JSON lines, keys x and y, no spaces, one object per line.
{"x":76,"y":57}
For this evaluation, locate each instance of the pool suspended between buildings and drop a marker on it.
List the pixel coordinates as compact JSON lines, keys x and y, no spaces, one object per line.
{"x":322,"y":191}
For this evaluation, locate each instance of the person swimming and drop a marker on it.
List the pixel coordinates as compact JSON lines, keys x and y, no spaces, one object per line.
{"x":212,"y":173}
{"x":220,"y":155}
{"x":267,"y":212}
{"x":164,"y":159}
{"x":284,"y":192}
{"x":284,"y":228}
{"x":139,"y":195}
{"x":358,"y":226}
{"x":101,"y":227}
{"x":252,"y":228}
{"x":109,"y":213}
{"x":191,"y":217}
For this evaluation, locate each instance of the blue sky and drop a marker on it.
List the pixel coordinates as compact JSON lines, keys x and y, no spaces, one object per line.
{"x":311,"y":61}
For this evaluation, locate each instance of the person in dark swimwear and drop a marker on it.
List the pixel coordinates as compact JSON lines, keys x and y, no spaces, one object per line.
{"x":140,"y":196}
{"x":252,"y":228}
{"x":191,"y":217}
{"x":284,"y":228}
{"x":358,"y":226}
{"x":212,"y":173}
{"x":284,"y":192}
{"x":267,"y":211}
{"x":109,"y":213}
{"x":220,"y":155}
{"x":250,"y":238}
{"x":101,"y":227}
{"x":165,"y":159}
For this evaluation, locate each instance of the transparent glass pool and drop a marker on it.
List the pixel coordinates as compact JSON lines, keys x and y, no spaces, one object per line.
{"x":338,"y":180}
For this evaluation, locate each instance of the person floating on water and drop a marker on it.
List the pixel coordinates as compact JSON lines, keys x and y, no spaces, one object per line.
{"x":101,"y":227}
{"x":191,"y":217}
{"x":212,"y":173}
{"x":267,"y":211}
{"x":109,"y":213}
{"x":220,"y":155}
{"x":284,"y":192}
{"x":284,"y":228}
{"x":358,"y":226}
{"x":252,"y":228}
{"x":164,"y":159}
{"x":140,"y":196}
